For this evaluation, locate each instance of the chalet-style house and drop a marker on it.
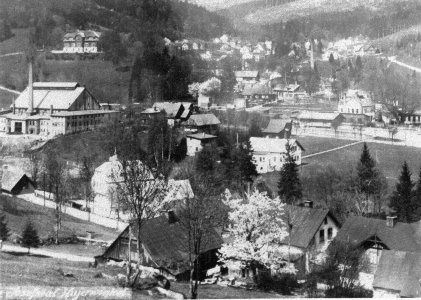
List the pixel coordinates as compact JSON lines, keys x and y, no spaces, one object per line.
{"x":165,"y":246}
{"x":398,"y":275}
{"x":289,"y":93}
{"x":376,"y":235}
{"x":207,"y":123}
{"x":269,"y":154}
{"x":319,"y":119}
{"x":245,"y":77}
{"x":16,"y":182}
{"x":357,"y":107}
{"x":85,"y":41}
{"x":196,"y":142}
{"x":278,"y":128}
{"x":53,"y":108}
{"x":312,"y":230}
{"x":258,"y":94}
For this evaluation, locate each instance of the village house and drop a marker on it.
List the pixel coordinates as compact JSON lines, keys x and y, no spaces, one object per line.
{"x":207,"y":123}
{"x":85,"y":41}
{"x":53,"y":108}
{"x":413,"y":118}
{"x":165,"y":246}
{"x":290,"y":92}
{"x":196,"y":142}
{"x":15,"y":182}
{"x":312,"y":230}
{"x":106,"y":181}
{"x":398,"y":275}
{"x":278,"y":128}
{"x":319,"y":119}
{"x":247,"y":77}
{"x":357,"y":107}
{"x":269,"y":154}
{"x":375,"y":236}
{"x":258,"y":94}
{"x":148,"y":115}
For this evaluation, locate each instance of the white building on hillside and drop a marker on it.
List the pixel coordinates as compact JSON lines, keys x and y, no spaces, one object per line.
{"x":269,"y":154}
{"x":356,"y":102}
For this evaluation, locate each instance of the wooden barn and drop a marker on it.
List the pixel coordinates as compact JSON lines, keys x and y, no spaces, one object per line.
{"x":16,"y":182}
{"x":165,"y":247}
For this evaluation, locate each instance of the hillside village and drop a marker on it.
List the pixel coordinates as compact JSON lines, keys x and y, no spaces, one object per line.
{"x":211,"y":163}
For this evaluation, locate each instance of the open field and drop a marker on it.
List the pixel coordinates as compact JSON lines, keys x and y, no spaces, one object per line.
{"x":389,"y":159}
{"x":18,"y":211}
{"x":305,"y":8}
{"x":41,"y":271}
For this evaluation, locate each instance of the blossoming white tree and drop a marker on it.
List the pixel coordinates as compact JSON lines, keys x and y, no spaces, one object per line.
{"x":257,"y":232}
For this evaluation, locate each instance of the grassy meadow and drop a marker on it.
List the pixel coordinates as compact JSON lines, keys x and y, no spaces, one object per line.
{"x":389,"y":159}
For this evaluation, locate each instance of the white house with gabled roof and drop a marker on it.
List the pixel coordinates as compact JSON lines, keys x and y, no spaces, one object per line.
{"x":269,"y":154}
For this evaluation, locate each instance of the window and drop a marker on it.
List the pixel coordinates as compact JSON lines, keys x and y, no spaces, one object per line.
{"x":325,"y":221}
{"x":352,"y":110}
{"x":321,"y":236}
{"x":329,"y":233}
{"x":357,"y":111}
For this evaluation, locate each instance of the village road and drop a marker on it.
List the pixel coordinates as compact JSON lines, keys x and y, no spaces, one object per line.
{"x":334,"y":149}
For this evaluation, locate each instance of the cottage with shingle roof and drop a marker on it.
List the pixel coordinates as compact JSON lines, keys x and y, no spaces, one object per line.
{"x":15,"y":181}
{"x":269,"y":154}
{"x":247,"y":76}
{"x":203,"y":123}
{"x":398,"y":275}
{"x":280,"y":128}
{"x":165,"y":243}
{"x":376,"y":235}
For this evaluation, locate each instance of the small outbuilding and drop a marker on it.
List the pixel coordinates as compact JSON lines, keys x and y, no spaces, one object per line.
{"x":16,"y":182}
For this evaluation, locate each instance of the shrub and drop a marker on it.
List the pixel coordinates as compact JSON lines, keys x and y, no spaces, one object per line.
{"x":282,"y":283}
{"x":4,"y":229}
{"x":356,"y":292}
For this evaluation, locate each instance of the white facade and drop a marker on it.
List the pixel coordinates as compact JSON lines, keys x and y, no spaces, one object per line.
{"x":269,"y":154}
{"x":196,"y":142}
{"x":356,"y":102}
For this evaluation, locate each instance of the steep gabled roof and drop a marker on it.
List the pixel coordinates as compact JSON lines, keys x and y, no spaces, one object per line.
{"x":277,"y":125}
{"x":402,"y":236}
{"x":306,"y":222}
{"x":11,"y":178}
{"x":166,"y":242}
{"x":203,"y":120}
{"x":172,"y":109}
{"x":399,"y":271}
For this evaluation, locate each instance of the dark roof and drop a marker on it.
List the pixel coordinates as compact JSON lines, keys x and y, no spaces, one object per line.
{"x":399,"y":271}
{"x":166,"y":242}
{"x":11,"y":177}
{"x":203,"y":120}
{"x":306,"y":222}
{"x":277,"y":125}
{"x":403,"y":236}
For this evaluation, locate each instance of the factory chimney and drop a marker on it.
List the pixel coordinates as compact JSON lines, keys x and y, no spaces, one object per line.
{"x":30,"y":92}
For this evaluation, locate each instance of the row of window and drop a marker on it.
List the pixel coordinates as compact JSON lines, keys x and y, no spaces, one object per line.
{"x":67,"y":45}
{"x":281,"y":159}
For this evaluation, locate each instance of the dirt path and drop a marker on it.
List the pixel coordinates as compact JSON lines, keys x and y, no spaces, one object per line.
{"x":11,"y":54}
{"x":9,"y":90}
{"x":393,"y":60}
{"x":331,"y":150}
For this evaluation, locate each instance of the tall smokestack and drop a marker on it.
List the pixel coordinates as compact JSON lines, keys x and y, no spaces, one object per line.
{"x":30,"y":91}
{"x":312,"y":55}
